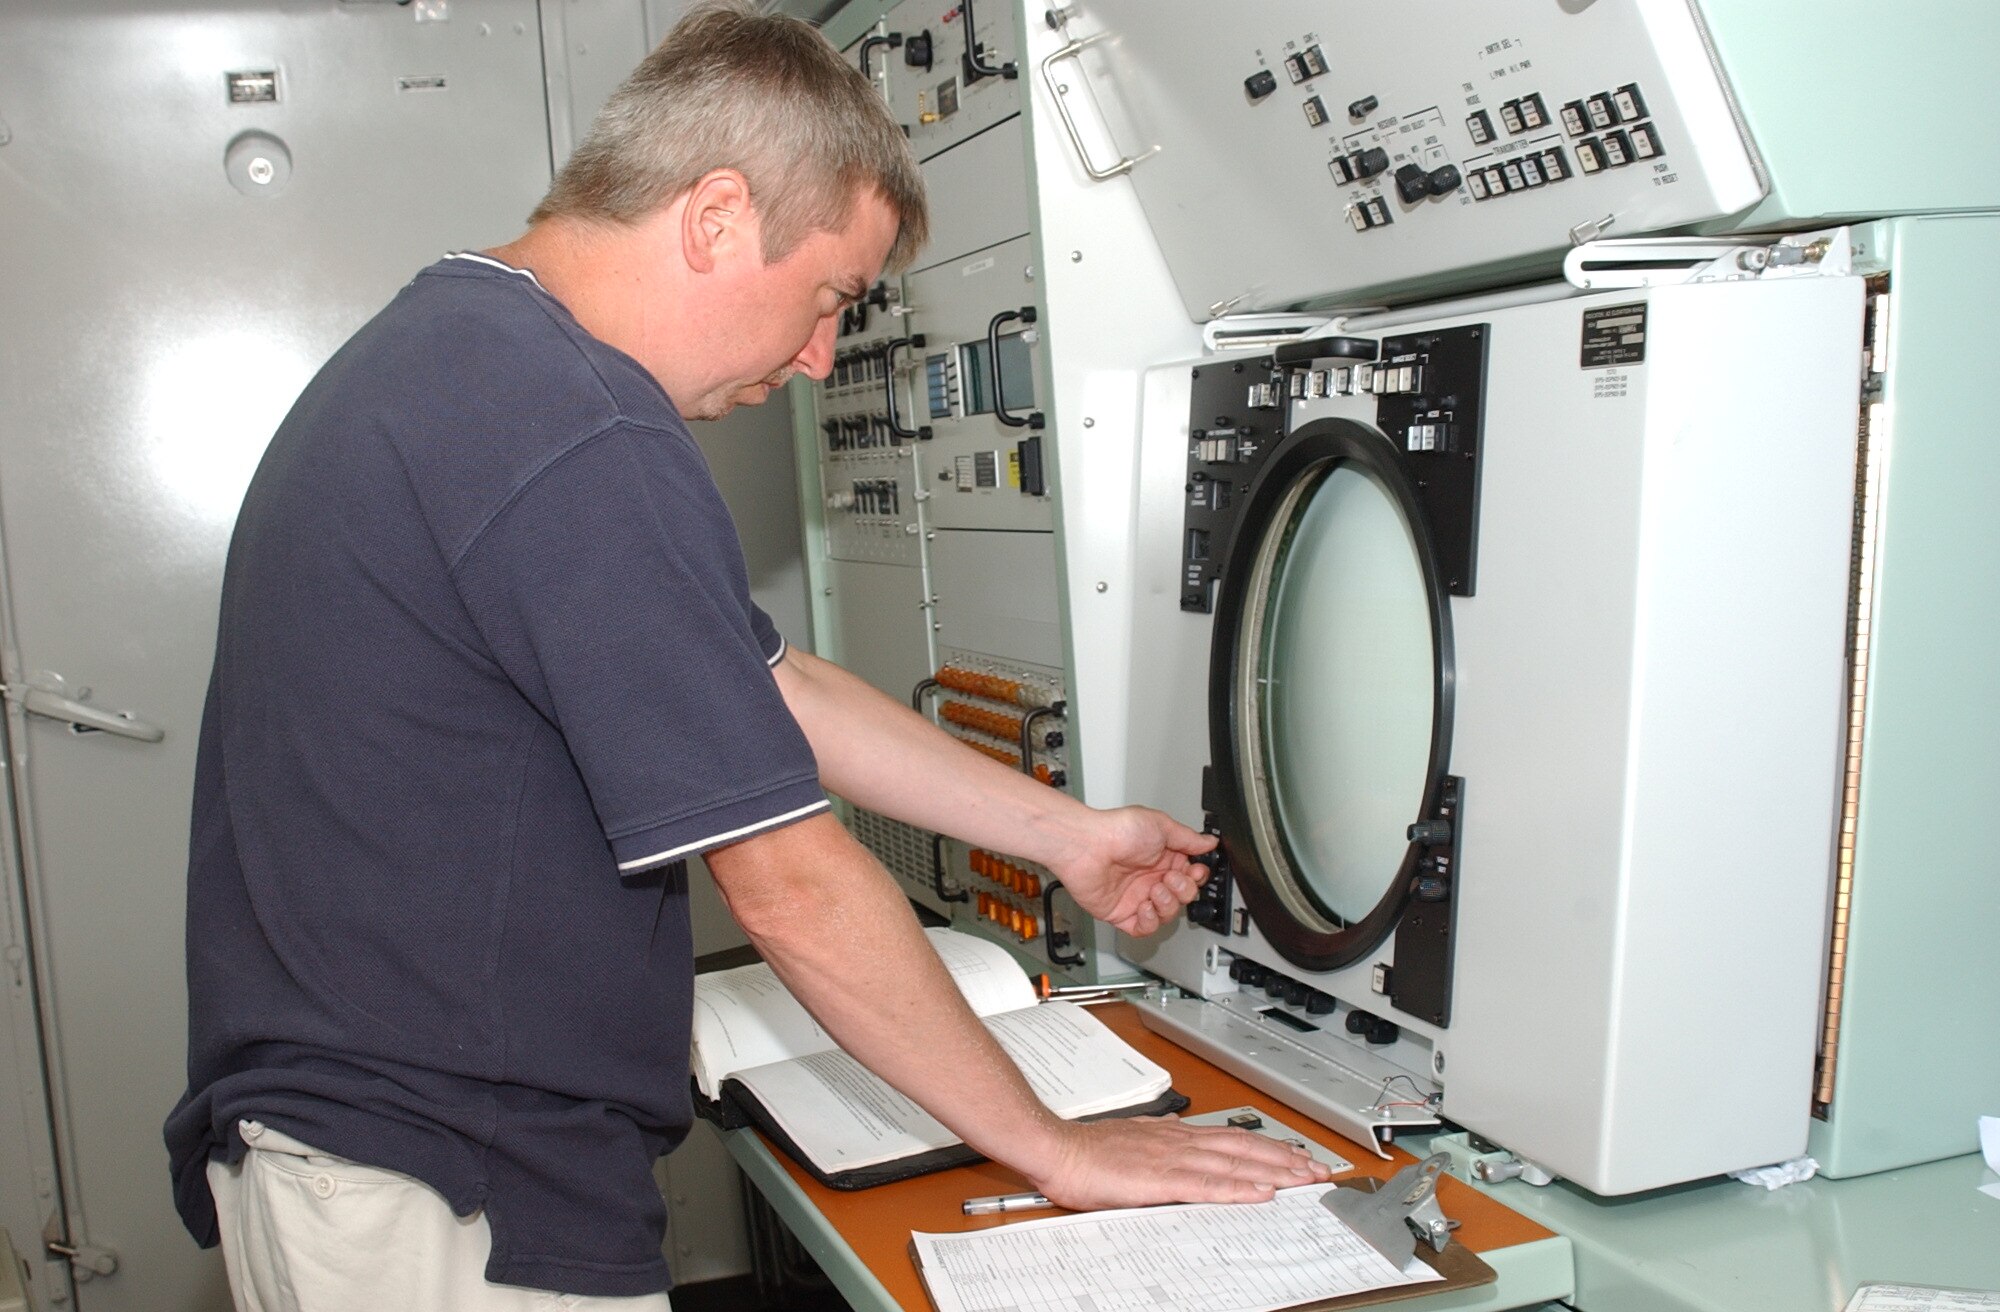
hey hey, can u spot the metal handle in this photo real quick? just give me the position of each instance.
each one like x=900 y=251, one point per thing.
x=84 y=718
x=937 y=874
x=975 y=57
x=1060 y=96
x=1026 y=314
x=896 y=429
x=869 y=45
x=1053 y=939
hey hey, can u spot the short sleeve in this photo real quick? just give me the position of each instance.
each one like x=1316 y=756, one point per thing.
x=610 y=589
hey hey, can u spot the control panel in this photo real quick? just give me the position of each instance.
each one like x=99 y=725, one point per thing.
x=948 y=70
x=867 y=445
x=1450 y=138
x=1427 y=393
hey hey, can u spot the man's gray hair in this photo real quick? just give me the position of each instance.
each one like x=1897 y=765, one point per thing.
x=765 y=95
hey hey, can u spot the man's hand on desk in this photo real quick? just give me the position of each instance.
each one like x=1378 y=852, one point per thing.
x=1131 y=867
x=1140 y=1160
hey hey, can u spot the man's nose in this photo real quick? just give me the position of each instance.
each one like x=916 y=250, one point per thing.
x=815 y=360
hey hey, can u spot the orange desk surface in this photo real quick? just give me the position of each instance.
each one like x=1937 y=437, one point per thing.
x=876 y=1223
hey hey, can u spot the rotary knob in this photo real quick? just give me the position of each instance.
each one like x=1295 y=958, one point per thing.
x=1412 y=183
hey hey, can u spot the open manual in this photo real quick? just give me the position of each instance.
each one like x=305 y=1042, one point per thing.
x=759 y=1058
x=1193 y=1257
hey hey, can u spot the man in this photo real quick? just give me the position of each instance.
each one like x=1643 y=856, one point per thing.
x=488 y=671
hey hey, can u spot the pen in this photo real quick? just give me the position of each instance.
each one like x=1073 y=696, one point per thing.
x=1004 y=1203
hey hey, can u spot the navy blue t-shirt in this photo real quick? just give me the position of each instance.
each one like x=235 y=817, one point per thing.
x=488 y=668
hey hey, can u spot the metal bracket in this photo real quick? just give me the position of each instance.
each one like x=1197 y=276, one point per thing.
x=1665 y=261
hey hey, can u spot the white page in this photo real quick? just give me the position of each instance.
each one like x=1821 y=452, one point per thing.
x=745 y=1017
x=986 y=973
x=1073 y=1062
x=1195 y=1257
x=842 y=1116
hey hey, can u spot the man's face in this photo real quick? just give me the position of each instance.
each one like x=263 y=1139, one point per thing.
x=770 y=321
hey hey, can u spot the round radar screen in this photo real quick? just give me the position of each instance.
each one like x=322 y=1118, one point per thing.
x=1330 y=701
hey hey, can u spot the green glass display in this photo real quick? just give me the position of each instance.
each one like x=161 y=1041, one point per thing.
x=1346 y=679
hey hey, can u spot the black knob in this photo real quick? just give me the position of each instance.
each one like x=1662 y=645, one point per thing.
x=1319 y=1004
x=1296 y=993
x=1383 y=1031
x=1363 y=107
x=1432 y=833
x=1412 y=183
x=1443 y=181
x=1052 y=740
x=1274 y=987
x=1260 y=84
x=917 y=51
x=1369 y=162
x=1358 y=1022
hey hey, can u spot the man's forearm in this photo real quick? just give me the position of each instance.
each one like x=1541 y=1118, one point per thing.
x=830 y=921
x=879 y=754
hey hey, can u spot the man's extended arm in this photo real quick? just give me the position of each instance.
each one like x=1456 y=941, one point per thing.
x=1127 y=866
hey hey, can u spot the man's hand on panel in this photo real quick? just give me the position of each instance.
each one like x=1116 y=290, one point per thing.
x=1133 y=868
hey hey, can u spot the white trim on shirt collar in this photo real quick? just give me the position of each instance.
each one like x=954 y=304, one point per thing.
x=477 y=258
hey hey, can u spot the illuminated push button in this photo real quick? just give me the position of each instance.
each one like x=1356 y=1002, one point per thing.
x=1496 y=181
x=1340 y=169
x=1512 y=172
x=1534 y=114
x=1617 y=149
x=1590 y=155
x=1315 y=110
x=1475 y=182
x=1631 y=106
x=1599 y=110
x=1576 y=121
x=1645 y=142
x=1531 y=172
x=1510 y=117
x=1480 y=126
x=1555 y=166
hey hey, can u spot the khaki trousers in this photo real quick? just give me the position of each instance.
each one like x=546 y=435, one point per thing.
x=303 y=1231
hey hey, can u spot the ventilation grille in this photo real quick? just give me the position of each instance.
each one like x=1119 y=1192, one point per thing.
x=904 y=849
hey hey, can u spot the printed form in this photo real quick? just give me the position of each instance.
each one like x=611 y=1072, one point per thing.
x=1193 y=1257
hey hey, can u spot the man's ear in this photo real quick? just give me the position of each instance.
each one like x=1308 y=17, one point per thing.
x=717 y=223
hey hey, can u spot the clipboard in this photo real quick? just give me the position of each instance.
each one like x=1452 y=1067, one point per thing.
x=1459 y=1267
